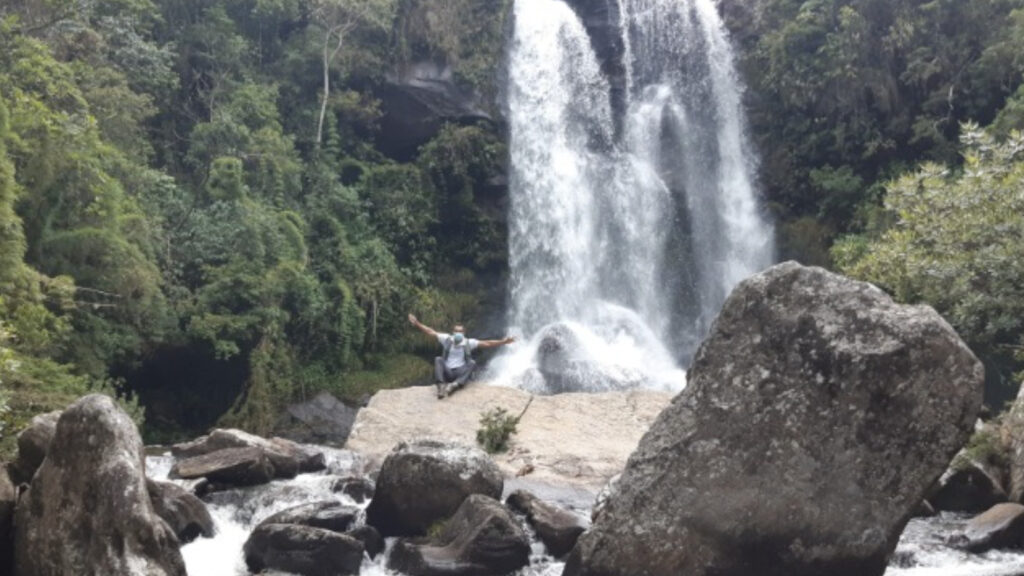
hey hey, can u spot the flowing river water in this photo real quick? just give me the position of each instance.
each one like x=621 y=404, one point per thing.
x=922 y=551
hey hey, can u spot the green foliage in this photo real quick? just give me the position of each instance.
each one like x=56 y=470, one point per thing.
x=226 y=180
x=844 y=93
x=458 y=164
x=985 y=447
x=381 y=372
x=467 y=34
x=436 y=529
x=8 y=365
x=162 y=187
x=496 y=427
x=956 y=243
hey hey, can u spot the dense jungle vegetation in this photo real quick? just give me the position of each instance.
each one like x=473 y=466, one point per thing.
x=203 y=208
x=187 y=220
x=867 y=115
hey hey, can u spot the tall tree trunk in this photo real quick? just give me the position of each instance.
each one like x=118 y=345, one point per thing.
x=328 y=58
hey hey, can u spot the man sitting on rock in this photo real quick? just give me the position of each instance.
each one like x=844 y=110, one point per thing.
x=454 y=367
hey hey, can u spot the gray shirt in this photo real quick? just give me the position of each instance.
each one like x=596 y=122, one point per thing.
x=457 y=355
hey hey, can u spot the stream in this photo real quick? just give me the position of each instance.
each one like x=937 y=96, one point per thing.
x=922 y=550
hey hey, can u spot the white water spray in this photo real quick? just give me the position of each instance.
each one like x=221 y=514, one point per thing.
x=624 y=243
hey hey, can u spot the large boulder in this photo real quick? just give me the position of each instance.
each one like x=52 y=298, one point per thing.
x=327 y=514
x=33 y=442
x=372 y=541
x=8 y=500
x=558 y=529
x=482 y=538
x=579 y=440
x=321 y=420
x=817 y=414
x=287 y=457
x=358 y=488
x=303 y=550
x=967 y=486
x=426 y=481
x=230 y=467
x=1002 y=526
x=88 y=508
x=182 y=510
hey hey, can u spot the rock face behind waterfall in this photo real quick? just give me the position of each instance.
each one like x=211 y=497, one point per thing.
x=818 y=412
x=87 y=510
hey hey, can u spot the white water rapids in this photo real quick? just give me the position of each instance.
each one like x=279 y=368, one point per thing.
x=629 y=223
x=922 y=551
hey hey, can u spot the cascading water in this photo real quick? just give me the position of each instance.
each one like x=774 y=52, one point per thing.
x=630 y=223
x=925 y=549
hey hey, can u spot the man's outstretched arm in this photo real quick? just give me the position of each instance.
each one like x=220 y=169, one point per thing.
x=422 y=327
x=496 y=343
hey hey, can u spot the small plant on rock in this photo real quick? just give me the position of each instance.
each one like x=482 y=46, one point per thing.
x=496 y=426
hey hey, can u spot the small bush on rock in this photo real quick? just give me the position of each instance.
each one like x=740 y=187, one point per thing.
x=985 y=447
x=496 y=426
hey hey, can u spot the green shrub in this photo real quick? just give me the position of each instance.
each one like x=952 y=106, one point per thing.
x=496 y=426
x=986 y=448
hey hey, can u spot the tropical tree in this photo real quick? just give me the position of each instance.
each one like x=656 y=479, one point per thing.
x=957 y=243
x=336 y=20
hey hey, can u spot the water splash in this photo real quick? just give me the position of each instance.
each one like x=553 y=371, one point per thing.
x=624 y=243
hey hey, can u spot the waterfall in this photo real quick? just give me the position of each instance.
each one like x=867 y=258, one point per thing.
x=629 y=223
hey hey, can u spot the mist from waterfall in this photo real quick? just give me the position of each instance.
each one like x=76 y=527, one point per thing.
x=630 y=221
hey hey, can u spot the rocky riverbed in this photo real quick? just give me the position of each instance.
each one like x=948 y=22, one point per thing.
x=924 y=548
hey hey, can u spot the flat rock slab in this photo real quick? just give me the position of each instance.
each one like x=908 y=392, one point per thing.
x=1002 y=526
x=231 y=466
x=575 y=439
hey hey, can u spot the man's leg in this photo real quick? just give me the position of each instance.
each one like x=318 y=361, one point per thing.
x=439 y=370
x=440 y=376
x=462 y=376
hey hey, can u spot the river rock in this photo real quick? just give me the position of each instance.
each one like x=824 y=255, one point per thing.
x=182 y=510
x=303 y=550
x=967 y=486
x=558 y=529
x=423 y=482
x=372 y=541
x=1002 y=526
x=321 y=420
x=817 y=414
x=33 y=443
x=8 y=499
x=230 y=467
x=328 y=514
x=482 y=538
x=87 y=508
x=287 y=457
x=358 y=488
